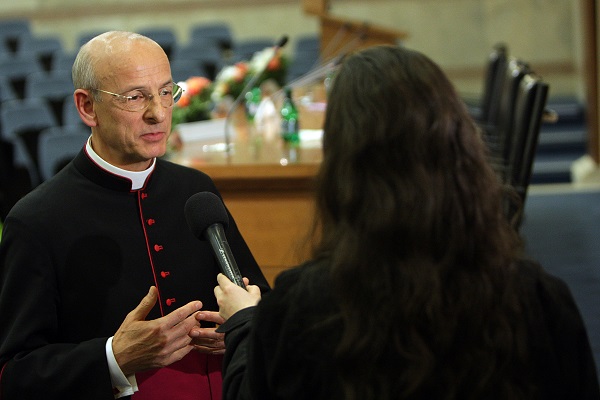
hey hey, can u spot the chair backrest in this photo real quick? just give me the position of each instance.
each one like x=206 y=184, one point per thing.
x=515 y=72
x=55 y=87
x=308 y=43
x=22 y=122
x=86 y=36
x=495 y=74
x=45 y=47
x=12 y=30
x=42 y=84
x=182 y=69
x=22 y=114
x=15 y=68
x=70 y=115
x=165 y=37
x=529 y=110
x=499 y=135
x=7 y=92
x=304 y=61
x=59 y=145
x=217 y=32
x=208 y=58
x=63 y=61
x=245 y=49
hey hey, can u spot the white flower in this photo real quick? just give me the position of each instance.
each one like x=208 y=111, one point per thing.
x=260 y=59
x=227 y=73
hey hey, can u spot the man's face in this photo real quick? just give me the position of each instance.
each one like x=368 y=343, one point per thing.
x=129 y=139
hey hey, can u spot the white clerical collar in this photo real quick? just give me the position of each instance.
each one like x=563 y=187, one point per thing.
x=137 y=178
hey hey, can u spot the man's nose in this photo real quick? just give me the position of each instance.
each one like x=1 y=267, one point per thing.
x=155 y=111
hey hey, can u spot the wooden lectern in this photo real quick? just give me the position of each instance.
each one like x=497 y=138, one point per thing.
x=342 y=35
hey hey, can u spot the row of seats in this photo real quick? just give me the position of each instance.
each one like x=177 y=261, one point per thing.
x=210 y=47
x=512 y=109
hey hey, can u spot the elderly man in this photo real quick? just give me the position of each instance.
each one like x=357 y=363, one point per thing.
x=100 y=277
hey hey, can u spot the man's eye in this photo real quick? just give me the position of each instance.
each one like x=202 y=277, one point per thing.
x=166 y=92
x=136 y=97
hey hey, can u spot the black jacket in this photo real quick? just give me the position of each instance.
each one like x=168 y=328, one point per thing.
x=283 y=348
x=80 y=252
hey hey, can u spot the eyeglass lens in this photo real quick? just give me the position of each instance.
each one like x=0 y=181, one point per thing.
x=138 y=100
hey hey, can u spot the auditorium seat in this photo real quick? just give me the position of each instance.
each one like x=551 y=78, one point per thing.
x=86 y=36
x=306 y=61
x=245 y=49
x=6 y=91
x=492 y=89
x=530 y=108
x=302 y=62
x=208 y=58
x=57 y=146
x=16 y=67
x=165 y=37
x=63 y=61
x=498 y=136
x=22 y=121
x=215 y=32
x=45 y=47
x=309 y=43
x=55 y=87
x=12 y=30
x=70 y=115
x=182 y=69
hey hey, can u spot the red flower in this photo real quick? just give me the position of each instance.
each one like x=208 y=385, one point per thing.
x=184 y=100
x=196 y=84
x=241 y=71
x=274 y=64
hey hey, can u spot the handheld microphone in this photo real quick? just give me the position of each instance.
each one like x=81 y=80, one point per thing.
x=280 y=43
x=207 y=219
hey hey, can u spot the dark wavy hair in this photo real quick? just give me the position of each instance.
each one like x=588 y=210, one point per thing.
x=411 y=223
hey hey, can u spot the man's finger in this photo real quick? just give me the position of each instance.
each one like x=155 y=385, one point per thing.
x=176 y=316
x=143 y=309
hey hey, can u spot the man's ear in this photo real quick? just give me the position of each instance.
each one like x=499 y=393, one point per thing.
x=85 y=106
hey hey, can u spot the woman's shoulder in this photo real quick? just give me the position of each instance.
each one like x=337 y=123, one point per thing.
x=306 y=276
x=541 y=284
x=307 y=283
x=549 y=303
x=559 y=340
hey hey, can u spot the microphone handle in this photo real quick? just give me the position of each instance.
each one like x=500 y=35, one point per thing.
x=218 y=241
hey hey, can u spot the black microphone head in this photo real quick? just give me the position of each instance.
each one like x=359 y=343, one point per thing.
x=202 y=210
x=282 y=41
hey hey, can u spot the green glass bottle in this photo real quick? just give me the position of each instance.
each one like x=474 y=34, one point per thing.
x=290 y=129
x=253 y=98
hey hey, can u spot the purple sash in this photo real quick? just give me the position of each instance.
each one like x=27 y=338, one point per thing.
x=195 y=377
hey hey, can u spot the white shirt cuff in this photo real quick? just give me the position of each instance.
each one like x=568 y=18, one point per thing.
x=122 y=385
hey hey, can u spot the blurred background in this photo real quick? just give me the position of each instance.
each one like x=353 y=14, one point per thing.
x=458 y=34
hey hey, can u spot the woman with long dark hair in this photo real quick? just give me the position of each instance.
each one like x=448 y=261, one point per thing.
x=418 y=288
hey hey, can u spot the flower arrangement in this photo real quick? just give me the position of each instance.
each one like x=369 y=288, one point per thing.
x=195 y=103
x=232 y=79
x=201 y=95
